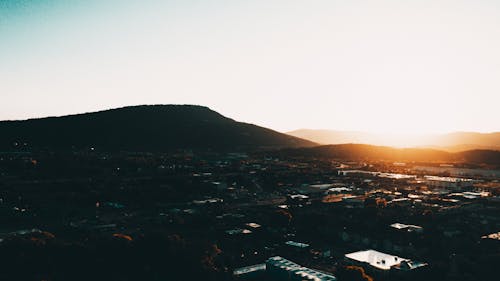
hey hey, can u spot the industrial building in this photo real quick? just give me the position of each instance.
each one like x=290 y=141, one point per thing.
x=282 y=269
x=448 y=182
x=383 y=262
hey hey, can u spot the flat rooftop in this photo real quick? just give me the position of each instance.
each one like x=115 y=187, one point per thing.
x=447 y=179
x=296 y=271
x=249 y=269
x=408 y=227
x=297 y=244
x=376 y=259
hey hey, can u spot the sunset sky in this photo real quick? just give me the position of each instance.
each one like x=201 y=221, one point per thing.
x=380 y=66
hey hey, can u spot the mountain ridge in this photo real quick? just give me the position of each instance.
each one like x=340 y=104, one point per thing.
x=144 y=127
x=452 y=142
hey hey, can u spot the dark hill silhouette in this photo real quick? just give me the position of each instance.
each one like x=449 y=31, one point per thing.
x=360 y=152
x=144 y=128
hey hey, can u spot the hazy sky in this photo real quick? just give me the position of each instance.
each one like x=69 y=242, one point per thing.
x=412 y=66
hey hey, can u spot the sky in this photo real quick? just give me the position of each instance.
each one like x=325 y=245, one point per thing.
x=378 y=66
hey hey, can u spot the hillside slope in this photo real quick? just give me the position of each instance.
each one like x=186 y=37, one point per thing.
x=144 y=128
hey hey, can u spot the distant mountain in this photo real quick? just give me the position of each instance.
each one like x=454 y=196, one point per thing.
x=459 y=141
x=364 y=152
x=332 y=136
x=143 y=128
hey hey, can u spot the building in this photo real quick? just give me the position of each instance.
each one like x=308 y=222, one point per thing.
x=407 y=227
x=448 y=182
x=493 y=236
x=250 y=271
x=382 y=262
x=297 y=245
x=279 y=268
x=297 y=199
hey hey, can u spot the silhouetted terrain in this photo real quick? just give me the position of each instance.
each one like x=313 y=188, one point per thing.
x=453 y=142
x=371 y=152
x=143 y=128
x=109 y=214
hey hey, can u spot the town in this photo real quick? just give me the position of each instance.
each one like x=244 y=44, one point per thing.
x=244 y=216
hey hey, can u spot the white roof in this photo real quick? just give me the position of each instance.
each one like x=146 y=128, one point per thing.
x=301 y=196
x=339 y=189
x=297 y=244
x=494 y=236
x=399 y=225
x=409 y=227
x=248 y=269
x=253 y=225
x=447 y=179
x=376 y=259
x=293 y=269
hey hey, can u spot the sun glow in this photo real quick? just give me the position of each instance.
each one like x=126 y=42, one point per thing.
x=402 y=140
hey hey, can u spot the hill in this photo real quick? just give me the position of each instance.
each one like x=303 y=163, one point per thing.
x=144 y=128
x=363 y=152
x=453 y=142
